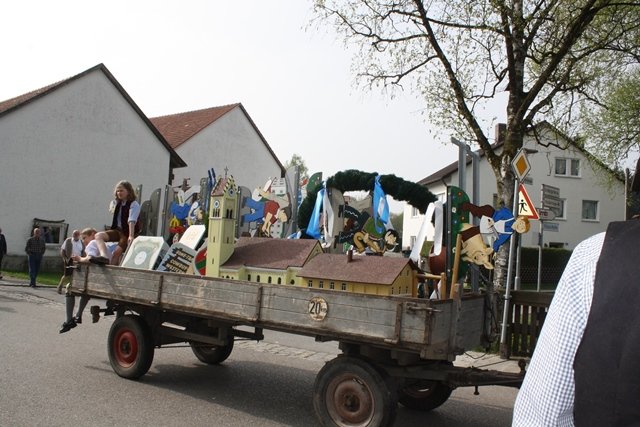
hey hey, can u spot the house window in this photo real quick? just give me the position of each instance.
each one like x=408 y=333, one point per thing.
x=332 y=285
x=310 y=284
x=343 y=287
x=279 y=280
x=412 y=241
x=293 y=282
x=414 y=212
x=269 y=279
x=258 y=278
x=590 y=210
x=321 y=284
x=51 y=231
x=560 y=212
x=442 y=197
x=567 y=167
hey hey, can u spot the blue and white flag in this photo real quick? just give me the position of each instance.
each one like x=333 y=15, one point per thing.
x=313 y=229
x=380 y=206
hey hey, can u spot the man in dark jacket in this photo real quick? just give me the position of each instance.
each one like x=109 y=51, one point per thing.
x=35 y=251
x=3 y=250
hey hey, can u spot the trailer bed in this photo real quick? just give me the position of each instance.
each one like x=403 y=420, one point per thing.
x=436 y=330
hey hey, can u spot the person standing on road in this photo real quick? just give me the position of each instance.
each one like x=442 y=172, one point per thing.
x=584 y=370
x=72 y=246
x=35 y=251
x=3 y=250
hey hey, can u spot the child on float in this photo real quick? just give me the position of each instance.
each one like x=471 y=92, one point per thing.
x=124 y=226
x=91 y=253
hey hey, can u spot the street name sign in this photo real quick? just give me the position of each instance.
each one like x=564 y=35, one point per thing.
x=551 y=197
x=546 y=214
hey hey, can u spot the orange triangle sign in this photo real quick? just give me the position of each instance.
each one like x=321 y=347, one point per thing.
x=525 y=207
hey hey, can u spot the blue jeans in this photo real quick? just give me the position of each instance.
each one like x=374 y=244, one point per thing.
x=34 y=266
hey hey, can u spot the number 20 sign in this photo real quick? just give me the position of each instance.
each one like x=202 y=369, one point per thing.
x=318 y=308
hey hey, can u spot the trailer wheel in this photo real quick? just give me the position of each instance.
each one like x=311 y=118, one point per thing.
x=424 y=395
x=211 y=354
x=130 y=346
x=351 y=392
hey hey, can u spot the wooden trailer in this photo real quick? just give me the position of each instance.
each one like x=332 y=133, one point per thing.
x=394 y=349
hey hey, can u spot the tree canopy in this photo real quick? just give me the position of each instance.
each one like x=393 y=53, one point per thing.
x=548 y=57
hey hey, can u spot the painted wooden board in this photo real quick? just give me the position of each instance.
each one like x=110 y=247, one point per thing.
x=414 y=325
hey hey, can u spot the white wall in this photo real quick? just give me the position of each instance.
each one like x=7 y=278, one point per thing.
x=229 y=142
x=63 y=154
x=571 y=230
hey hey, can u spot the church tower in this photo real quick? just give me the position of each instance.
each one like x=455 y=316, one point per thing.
x=222 y=224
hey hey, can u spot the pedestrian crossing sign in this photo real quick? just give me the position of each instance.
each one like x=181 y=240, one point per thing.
x=525 y=207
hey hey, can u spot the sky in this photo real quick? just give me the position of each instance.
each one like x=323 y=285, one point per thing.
x=294 y=79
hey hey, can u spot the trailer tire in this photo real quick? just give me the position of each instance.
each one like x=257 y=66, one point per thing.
x=424 y=395
x=349 y=391
x=211 y=354
x=130 y=346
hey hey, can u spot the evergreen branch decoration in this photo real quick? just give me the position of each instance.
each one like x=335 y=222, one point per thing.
x=354 y=180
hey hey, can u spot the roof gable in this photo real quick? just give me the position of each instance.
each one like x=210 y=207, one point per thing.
x=380 y=270
x=265 y=252
x=179 y=128
x=10 y=105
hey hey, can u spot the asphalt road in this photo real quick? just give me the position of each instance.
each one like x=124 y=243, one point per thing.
x=51 y=379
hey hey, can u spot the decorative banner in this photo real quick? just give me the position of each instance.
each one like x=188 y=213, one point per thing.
x=436 y=208
x=327 y=219
x=179 y=259
x=380 y=206
x=313 y=229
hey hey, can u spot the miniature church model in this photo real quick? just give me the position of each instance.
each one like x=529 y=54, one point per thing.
x=222 y=224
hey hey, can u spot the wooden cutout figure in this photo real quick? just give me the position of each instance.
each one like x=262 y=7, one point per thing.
x=379 y=243
x=266 y=208
x=497 y=225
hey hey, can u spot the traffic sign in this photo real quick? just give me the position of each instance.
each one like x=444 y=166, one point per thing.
x=546 y=214
x=520 y=164
x=551 y=197
x=525 y=207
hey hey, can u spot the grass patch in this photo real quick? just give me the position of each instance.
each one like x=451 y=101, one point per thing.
x=49 y=279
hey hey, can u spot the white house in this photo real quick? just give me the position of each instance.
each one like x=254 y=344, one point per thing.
x=222 y=138
x=65 y=146
x=591 y=195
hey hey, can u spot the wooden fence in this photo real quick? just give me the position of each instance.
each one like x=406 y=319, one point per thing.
x=527 y=311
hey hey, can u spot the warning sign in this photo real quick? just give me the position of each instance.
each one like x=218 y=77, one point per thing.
x=525 y=207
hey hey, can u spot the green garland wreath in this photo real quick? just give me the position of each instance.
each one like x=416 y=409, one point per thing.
x=354 y=180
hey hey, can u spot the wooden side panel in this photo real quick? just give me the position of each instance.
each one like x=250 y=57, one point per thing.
x=407 y=324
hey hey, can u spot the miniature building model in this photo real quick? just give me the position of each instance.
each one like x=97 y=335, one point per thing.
x=374 y=275
x=269 y=260
x=295 y=262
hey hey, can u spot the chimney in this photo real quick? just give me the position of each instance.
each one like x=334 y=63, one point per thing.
x=500 y=131
x=350 y=255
